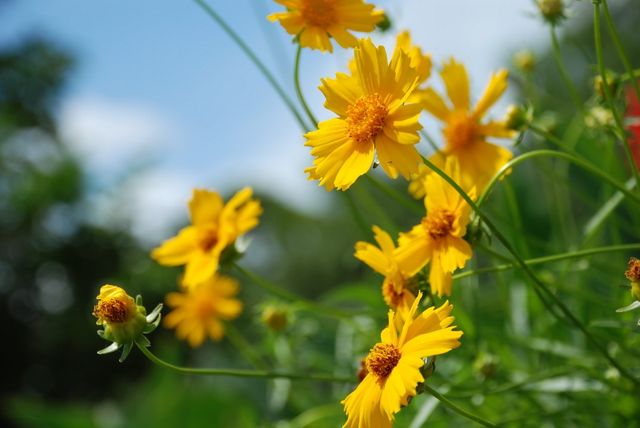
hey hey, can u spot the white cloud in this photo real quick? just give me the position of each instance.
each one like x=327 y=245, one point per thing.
x=110 y=135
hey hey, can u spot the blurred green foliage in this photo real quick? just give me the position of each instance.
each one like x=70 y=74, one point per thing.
x=518 y=364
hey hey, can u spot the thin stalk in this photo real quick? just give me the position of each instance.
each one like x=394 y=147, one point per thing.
x=607 y=93
x=356 y=214
x=296 y=80
x=244 y=347
x=431 y=141
x=459 y=410
x=401 y=198
x=266 y=374
x=539 y=285
x=256 y=61
x=292 y=297
x=587 y=166
x=620 y=48
x=552 y=139
x=549 y=259
x=563 y=70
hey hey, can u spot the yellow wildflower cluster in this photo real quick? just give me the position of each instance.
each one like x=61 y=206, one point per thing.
x=207 y=297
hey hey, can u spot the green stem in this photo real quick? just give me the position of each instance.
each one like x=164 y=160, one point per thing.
x=606 y=90
x=552 y=139
x=431 y=141
x=287 y=295
x=549 y=259
x=393 y=193
x=266 y=374
x=296 y=80
x=563 y=70
x=587 y=166
x=356 y=214
x=541 y=286
x=453 y=406
x=244 y=347
x=256 y=61
x=620 y=48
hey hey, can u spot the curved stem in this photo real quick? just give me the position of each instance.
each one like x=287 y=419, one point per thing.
x=296 y=80
x=549 y=259
x=607 y=92
x=552 y=139
x=541 y=286
x=239 y=373
x=587 y=166
x=256 y=61
x=453 y=406
x=563 y=70
x=620 y=48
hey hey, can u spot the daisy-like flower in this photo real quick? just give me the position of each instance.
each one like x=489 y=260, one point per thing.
x=393 y=365
x=317 y=20
x=395 y=287
x=464 y=131
x=372 y=118
x=199 y=312
x=214 y=227
x=438 y=237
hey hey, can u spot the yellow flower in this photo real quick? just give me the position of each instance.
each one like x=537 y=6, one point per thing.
x=421 y=62
x=122 y=318
x=214 y=227
x=395 y=287
x=393 y=365
x=372 y=117
x=418 y=180
x=464 y=132
x=438 y=238
x=198 y=312
x=317 y=20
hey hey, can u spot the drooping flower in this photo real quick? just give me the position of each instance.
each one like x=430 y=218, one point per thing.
x=464 y=132
x=373 y=117
x=393 y=365
x=124 y=320
x=315 y=21
x=214 y=227
x=199 y=311
x=439 y=236
x=396 y=287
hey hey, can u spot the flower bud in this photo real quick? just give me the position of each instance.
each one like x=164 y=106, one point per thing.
x=524 y=60
x=633 y=275
x=124 y=319
x=517 y=118
x=552 y=10
x=598 y=117
x=274 y=318
x=613 y=82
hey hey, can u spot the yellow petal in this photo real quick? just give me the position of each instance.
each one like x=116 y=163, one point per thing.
x=397 y=158
x=205 y=206
x=494 y=90
x=179 y=249
x=434 y=104
x=200 y=267
x=456 y=81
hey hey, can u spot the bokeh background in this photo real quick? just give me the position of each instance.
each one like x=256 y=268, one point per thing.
x=111 y=112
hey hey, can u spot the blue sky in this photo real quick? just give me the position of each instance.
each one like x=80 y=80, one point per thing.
x=158 y=82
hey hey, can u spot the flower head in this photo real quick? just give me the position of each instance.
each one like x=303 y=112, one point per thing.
x=439 y=236
x=393 y=365
x=317 y=20
x=198 y=312
x=464 y=131
x=396 y=288
x=124 y=319
x=372 y=117
x=214 y=227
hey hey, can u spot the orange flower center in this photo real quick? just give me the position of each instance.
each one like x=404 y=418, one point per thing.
x=382 y=359
x=391 y=296
x=204 y=309
x=365 y=118
x=633 y=271
x=461 y=129
x=111 y=310
x=208 y=238
x=438 y=223
x=318 y=13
